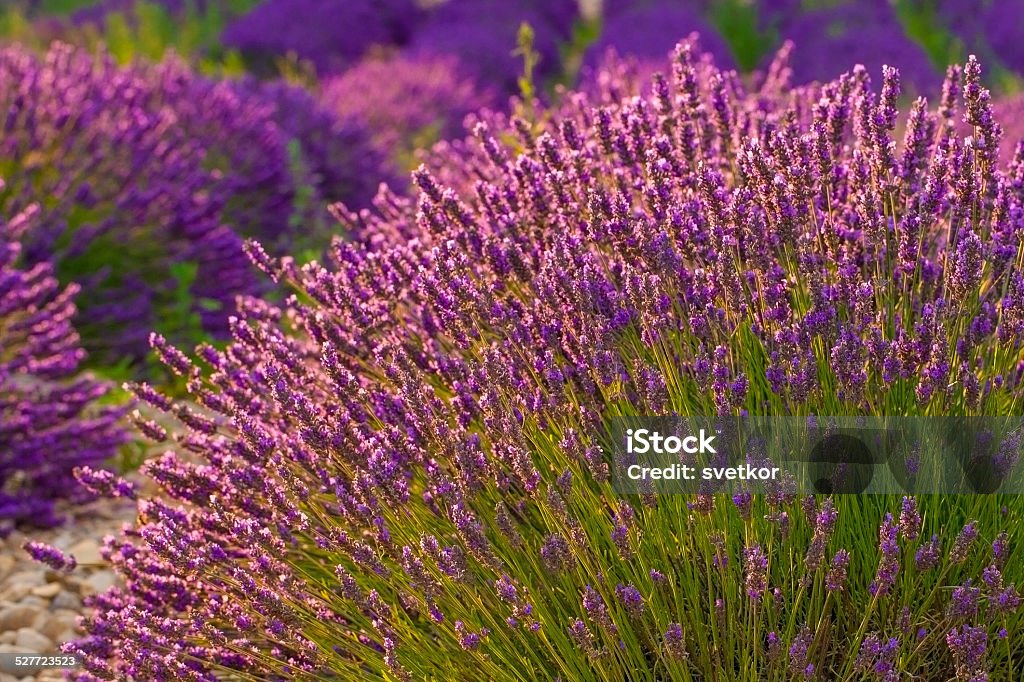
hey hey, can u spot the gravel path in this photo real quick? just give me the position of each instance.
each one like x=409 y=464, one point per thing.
x=39 y=607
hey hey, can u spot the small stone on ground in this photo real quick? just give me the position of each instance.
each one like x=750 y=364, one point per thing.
x=39 y=607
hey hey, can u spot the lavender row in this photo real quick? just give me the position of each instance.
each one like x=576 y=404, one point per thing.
x=50 y=420
x=140 y=170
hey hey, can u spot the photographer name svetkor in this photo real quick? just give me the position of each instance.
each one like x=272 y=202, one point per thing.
x=684 y=454
x=644 y=441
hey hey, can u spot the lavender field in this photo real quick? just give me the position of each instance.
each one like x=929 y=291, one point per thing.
x=319 y=320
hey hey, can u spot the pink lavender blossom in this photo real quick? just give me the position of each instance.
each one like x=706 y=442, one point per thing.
x=51 y=556
x=968 y=645
x=964 y=541
x=756 y=566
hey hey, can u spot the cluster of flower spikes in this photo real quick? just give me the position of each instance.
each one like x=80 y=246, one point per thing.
x=400 y=472
x=140 y=169
x=49 y=421
x=246 y=128
x=407 y=103
x=317 y=156
x=112 y=175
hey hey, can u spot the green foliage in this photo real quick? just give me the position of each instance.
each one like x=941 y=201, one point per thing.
x=524 y=41
x=64 y=6
x=585 y=32
x=149 y=31
x=737 y=21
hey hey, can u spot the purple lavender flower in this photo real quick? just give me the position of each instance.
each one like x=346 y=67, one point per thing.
x=467 y=639
x=798 y=651
x=51 y=556
x=968 y=645
x=1000 y=548
x=870 y=649
x=744 y=503
x=877 y=656
x=631 y=599
x=889 y=565
x=774 y=646
x=963 y=542
x=835 y=579
x=910 y=519
x=675 y=645
x=583 y=638
x=1007 y=601
x=104 y=483
x=596 y=609
x=928 y=554
x=824 y=523
x=555 y=553
x=964 y=602
x=756 y=564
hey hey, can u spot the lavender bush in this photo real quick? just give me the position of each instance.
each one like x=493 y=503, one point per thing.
x=406 y=103
x=401 y=473
x=482 y=36
x=122 y=191
x=50 y=422
x=649 y=31
x=986 y=28
x=332 y=34
x=829 y=38
x=332 y=157
x=131 y=29
x=148 y=178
